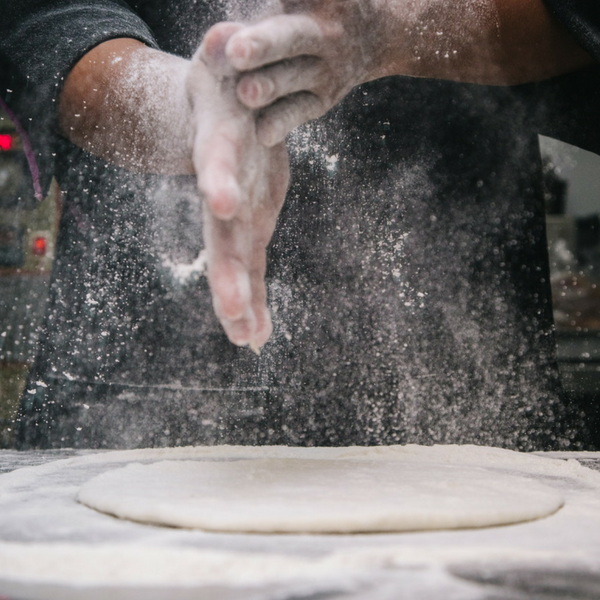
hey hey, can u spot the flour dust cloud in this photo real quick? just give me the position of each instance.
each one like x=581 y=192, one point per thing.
x=407 y=277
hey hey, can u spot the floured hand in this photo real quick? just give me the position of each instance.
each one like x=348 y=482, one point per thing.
x=243 y=184
x=300 y=64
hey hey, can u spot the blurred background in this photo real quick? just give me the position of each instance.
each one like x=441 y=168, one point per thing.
x=572 y=178
x=27 y=234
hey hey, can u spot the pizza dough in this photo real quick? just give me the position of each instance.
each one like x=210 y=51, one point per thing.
x=313 y=491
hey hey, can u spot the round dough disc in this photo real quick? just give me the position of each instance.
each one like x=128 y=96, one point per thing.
x=300 y=495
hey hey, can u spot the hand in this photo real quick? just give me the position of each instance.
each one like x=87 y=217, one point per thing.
x=297 y=66
x=301 y=63
x=243 y=184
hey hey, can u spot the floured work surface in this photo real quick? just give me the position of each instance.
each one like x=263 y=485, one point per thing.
x=51 y=546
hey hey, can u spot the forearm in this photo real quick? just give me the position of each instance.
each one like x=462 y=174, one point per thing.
x=499 y=42
x=127 y=103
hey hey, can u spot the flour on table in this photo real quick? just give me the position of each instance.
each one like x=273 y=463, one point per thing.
x=325 y=491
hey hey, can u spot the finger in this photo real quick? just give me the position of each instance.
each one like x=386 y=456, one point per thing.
x=261 y=88
x=276 y=121
x=230 y=286
x=278 y=177
x=227 y=244
x=258 y=267
x=212 y=50
x=263 y=328
x=217 y=164
x=272 y=40
x=242 y=331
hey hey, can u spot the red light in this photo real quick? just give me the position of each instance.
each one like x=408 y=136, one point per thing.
x=6 y=141
x=39 y=246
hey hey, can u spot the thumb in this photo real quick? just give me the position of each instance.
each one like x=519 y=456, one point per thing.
x=212 y=49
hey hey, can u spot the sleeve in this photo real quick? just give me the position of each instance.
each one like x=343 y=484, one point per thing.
x=582 y=19
x=40 y=42
x=566 y=107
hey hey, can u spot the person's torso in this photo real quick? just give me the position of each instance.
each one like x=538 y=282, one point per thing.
x=408 y=279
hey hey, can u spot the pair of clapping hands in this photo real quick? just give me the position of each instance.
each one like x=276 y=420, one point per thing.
x=251 y=85
x=248 y=86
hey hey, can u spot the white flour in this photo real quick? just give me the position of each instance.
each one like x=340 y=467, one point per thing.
x=46 y=537
x=304 y=495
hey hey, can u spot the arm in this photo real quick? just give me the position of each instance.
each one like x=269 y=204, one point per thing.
x=300 y=64
x=295 y=66
x=126 y=103
x=148 y=111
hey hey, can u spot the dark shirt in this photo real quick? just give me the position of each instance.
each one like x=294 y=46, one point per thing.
x=582 y=19
x=408 y=273
x=567 y=107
